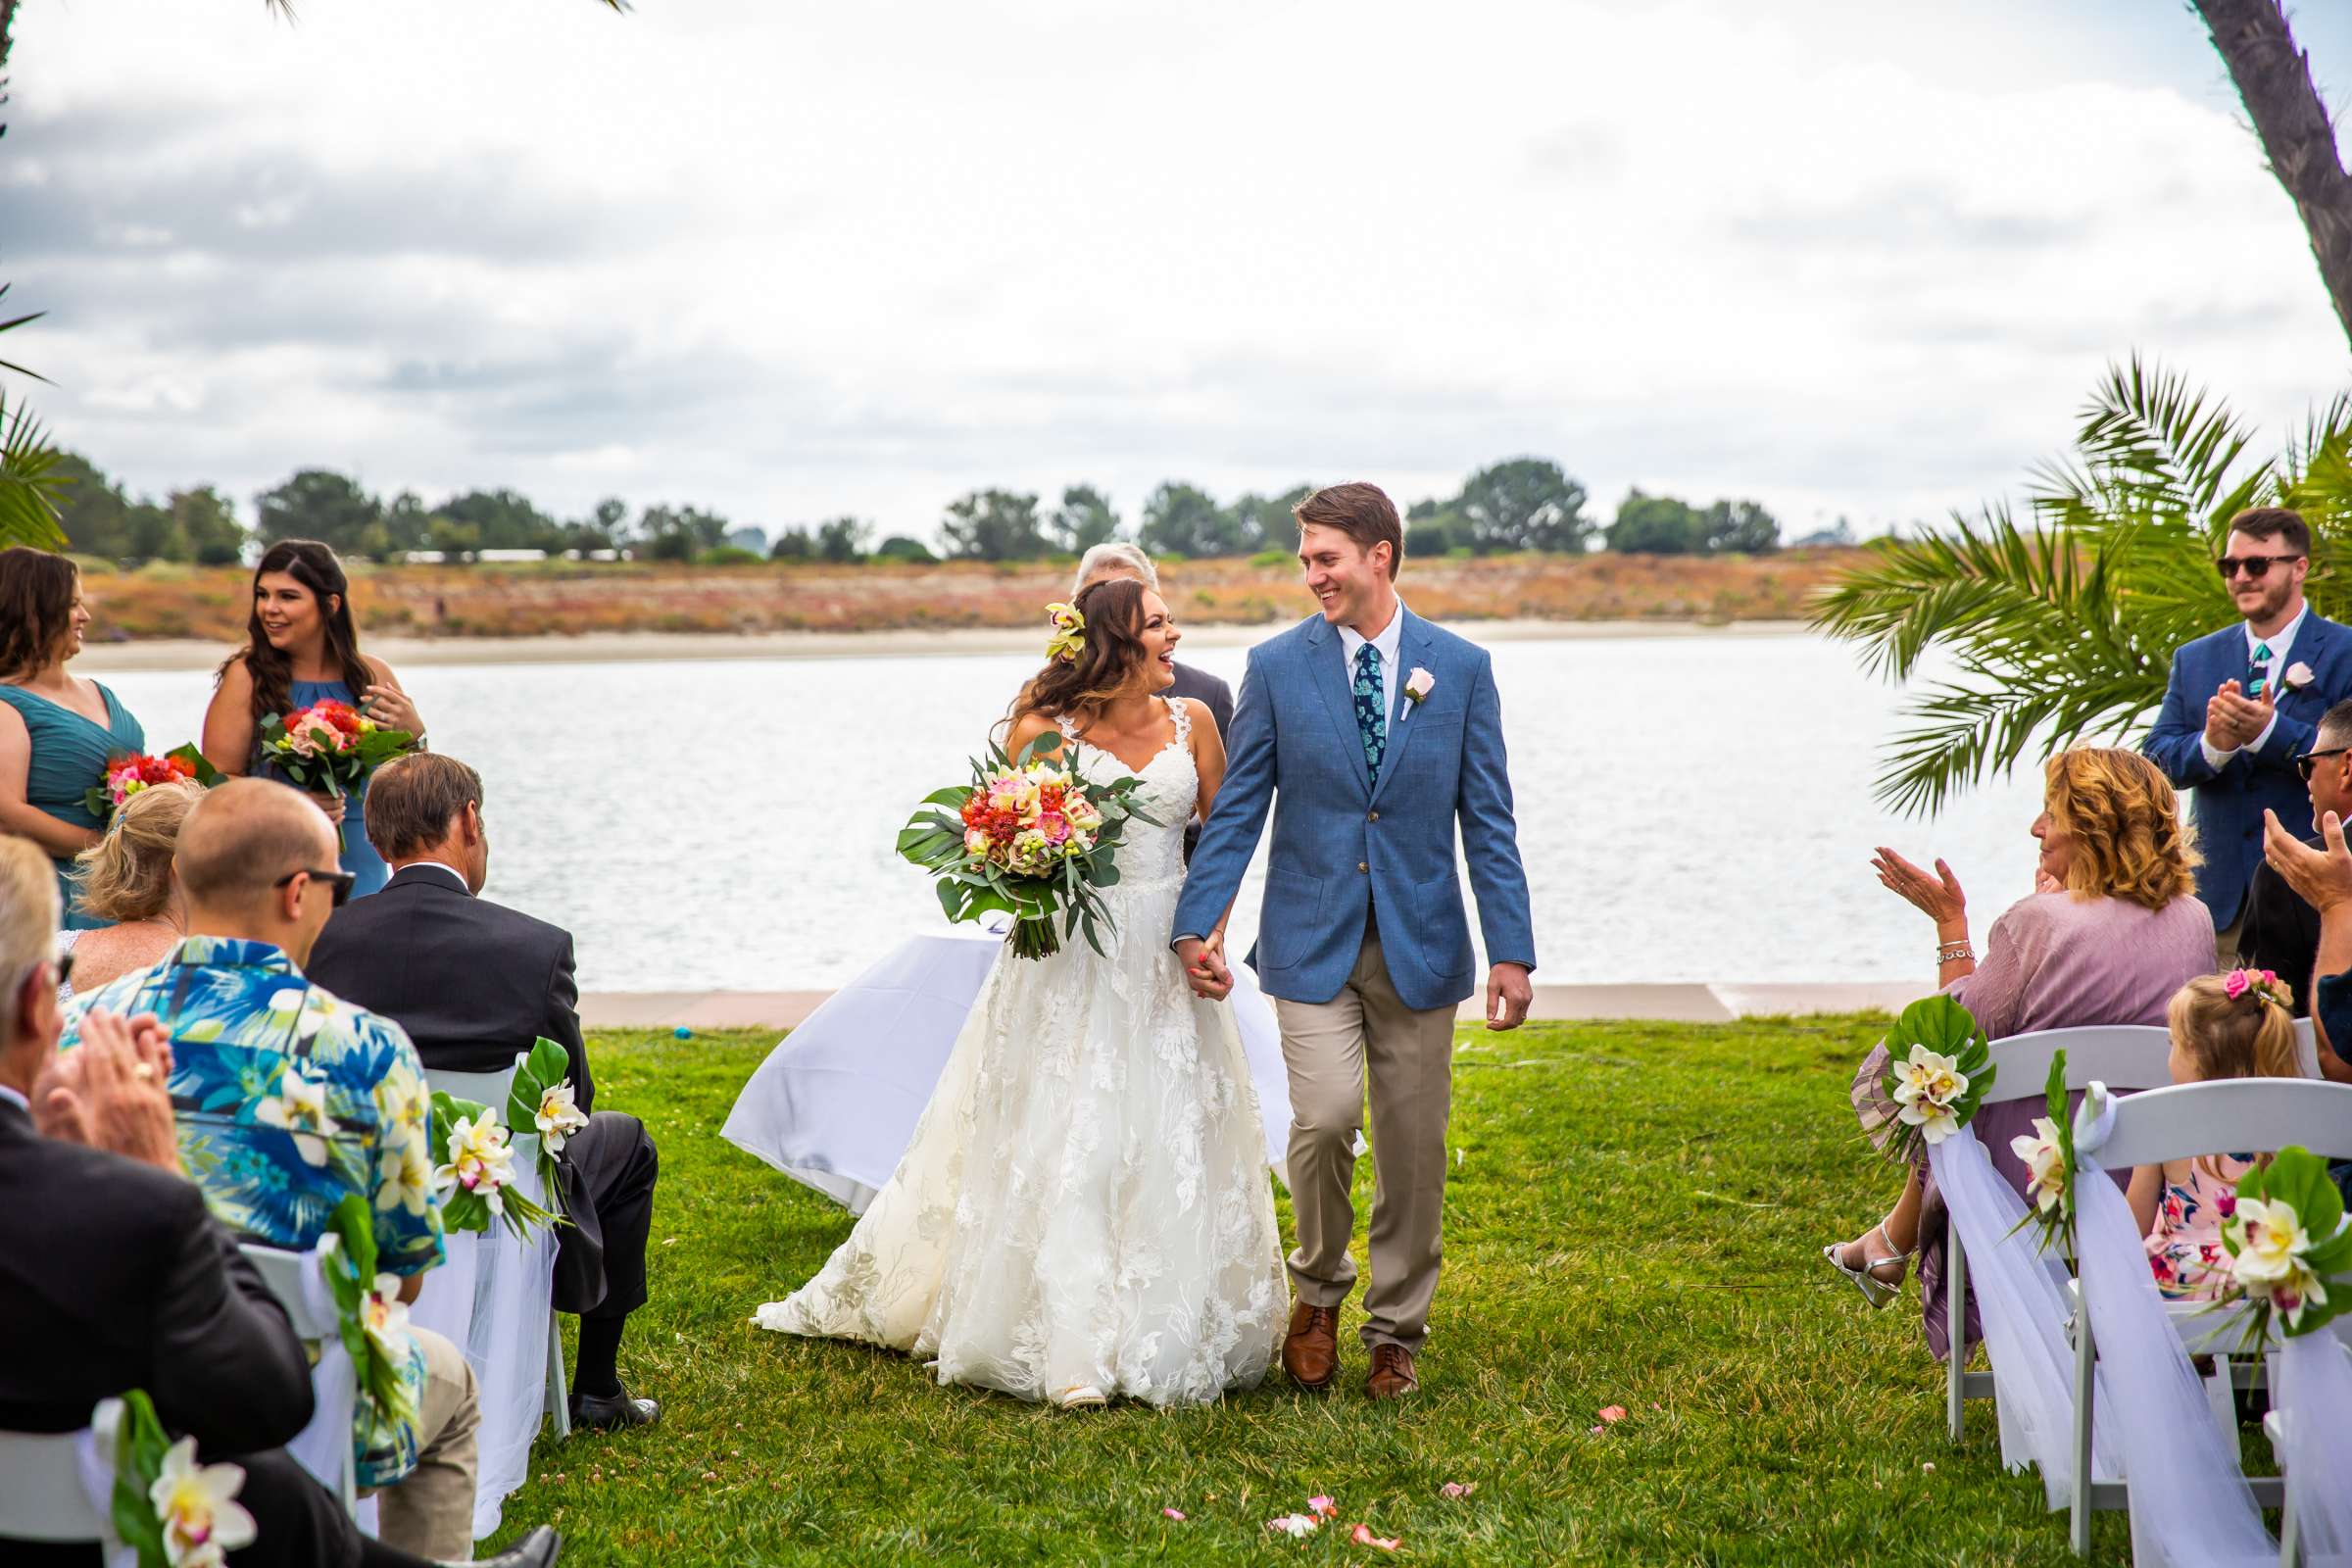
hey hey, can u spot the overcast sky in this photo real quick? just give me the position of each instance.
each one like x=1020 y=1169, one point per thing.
x=791 y=261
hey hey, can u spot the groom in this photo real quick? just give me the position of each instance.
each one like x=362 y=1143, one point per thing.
x=1371 y=733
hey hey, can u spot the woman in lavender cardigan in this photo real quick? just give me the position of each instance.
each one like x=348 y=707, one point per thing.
x=2111 y=931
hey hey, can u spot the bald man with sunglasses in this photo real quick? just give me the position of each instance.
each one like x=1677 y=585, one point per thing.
x=2244 y=703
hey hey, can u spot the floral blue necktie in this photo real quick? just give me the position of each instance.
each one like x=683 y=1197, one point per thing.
x=1371 y=711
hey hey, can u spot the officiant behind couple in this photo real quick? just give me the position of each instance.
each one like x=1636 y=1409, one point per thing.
x=1080 y=1214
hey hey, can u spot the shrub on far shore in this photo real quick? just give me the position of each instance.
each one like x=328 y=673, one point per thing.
x=730 y=555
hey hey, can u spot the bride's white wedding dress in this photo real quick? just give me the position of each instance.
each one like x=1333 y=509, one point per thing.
x=1085 y=1203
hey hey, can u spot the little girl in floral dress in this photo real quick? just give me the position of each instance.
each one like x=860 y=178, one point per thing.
x=2235 y=1025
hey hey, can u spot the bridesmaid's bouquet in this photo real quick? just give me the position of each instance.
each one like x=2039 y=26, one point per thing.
x=1029 y=838
x=127 y=776
x=329 y=747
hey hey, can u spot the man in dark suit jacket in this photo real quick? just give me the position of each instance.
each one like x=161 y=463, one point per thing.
x=1118 y=559
x=474 y=984
x=2246 y=702
x=113 y=1275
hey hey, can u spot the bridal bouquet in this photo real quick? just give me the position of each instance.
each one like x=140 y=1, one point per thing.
x=126 y=775
x=331 y=748
x=1030 y=838
x=1938 y=1067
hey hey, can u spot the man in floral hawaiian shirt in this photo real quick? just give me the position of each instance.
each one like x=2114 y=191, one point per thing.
x=289 y=1100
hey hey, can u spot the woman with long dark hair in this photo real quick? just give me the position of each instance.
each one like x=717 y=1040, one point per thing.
x=57 y=731
x=1084 y=1212
x=301 y=647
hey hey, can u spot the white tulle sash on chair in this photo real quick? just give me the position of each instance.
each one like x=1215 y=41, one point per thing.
x=2311 y=1377
x=2022 y=1307
x=2190 y=1504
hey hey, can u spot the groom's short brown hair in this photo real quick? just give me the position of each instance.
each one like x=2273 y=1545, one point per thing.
x=1362 y=511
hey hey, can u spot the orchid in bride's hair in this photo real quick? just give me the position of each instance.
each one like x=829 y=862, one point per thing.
x=1069 y=633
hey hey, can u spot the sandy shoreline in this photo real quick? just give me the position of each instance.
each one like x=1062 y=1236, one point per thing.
x=596 y=648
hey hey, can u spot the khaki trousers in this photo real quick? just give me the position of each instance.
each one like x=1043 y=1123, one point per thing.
x=430 y=1513
x=1328 y=1047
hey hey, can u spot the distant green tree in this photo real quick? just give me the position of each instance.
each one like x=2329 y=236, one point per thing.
x=1656 y=526
x=319 y=504
x=680 y=533
x=1083 y=520
x=1523 y=504
x=1264 y=523
x=504 y=519
x=897 y=547
x=93 y=512
x=792 y=544
x=1742 y=527
x=453 y=538
x=843 y=540
x=994 y=525
x=1437 y=531
x=150 y=533
x=208 y=527
x=1184 y=519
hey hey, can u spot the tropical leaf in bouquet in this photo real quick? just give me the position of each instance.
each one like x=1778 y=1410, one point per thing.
x=140 y=1443
x=2299 y=1179
x=350 y=1266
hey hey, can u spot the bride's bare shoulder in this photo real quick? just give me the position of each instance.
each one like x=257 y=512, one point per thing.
x=1026 y=728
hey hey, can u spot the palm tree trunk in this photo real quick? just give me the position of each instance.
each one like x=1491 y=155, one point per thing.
x=2274 y=80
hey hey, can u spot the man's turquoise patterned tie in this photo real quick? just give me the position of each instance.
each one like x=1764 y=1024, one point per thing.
x=2260 y=681
x=1371 y=711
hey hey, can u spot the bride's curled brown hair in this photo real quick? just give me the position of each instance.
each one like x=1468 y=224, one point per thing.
x=1108 y=661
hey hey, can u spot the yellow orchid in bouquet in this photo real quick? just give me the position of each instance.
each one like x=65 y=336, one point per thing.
x=2289 y=1241
x=2048 y=1155
x=1938 y=1069
x=476 y=1179
x=169 y=1510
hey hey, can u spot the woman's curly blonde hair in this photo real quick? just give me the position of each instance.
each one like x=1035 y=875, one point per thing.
x=2124 y=825
x=127 y=875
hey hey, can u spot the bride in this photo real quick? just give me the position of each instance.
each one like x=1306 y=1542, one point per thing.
x=1084 y=1212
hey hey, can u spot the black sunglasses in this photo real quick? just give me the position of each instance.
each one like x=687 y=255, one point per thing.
x=2256 y=567
x=2309 y=760
x=65 y=967
x=341 y=882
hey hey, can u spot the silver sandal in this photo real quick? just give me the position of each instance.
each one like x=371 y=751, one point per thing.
x=1875 y=1290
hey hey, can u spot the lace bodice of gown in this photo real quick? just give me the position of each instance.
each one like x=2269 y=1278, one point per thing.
x=1085 y=1202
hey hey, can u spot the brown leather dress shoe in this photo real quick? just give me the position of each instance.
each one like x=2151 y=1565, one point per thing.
x=1310 y=1352
x=1392 y=1373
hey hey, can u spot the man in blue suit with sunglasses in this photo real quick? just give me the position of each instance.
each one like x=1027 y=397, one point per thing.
x=2244 y=703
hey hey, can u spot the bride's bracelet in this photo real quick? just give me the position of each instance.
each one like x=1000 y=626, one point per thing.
x=1954 y=953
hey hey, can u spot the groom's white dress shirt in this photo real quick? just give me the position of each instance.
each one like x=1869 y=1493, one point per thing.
x=2281 y=648
x=1388 y=646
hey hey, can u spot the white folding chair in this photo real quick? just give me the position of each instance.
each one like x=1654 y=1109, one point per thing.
x=2235 y=1116
x=2123 y=1057
x=325 y=1447
x=491 y=1345
x=42 y=1491
x=2307 y=1049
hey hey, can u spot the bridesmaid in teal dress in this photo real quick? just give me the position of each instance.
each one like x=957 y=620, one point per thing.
x=57 y=731
x=301 y=647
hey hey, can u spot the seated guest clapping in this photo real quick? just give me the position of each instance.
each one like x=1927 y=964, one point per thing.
x=2235 y=1025
x=474 y=984
x=292 y=1100
x=2110 y=933
x=126 y=880
x=112 y=1276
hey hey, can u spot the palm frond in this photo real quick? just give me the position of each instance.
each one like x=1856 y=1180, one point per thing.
x=17 y=322
x=30 y=483
x=2038 y=635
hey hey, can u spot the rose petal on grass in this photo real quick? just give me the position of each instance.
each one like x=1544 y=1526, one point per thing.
x=1362 y=1535
x=1172 y=1513
x=1597 y=1431
x=1295 y=1525
x=1612 y=1413
x=1323 y=1507
x=1456 y=1488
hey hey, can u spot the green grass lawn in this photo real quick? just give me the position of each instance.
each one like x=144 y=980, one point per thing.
x=1634 y=1219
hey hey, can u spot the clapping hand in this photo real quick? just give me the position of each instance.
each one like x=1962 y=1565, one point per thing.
x=111 y=1091
x=1938 y=897
x=2322 y=878
x=2234 y=720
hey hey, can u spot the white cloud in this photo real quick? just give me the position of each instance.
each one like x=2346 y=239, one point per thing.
x=794 y=261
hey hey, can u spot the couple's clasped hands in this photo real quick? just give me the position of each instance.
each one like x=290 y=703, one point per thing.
x=1510 y=989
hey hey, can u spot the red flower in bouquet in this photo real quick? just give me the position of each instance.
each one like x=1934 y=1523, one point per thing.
x=329 y=747
x=127 y=776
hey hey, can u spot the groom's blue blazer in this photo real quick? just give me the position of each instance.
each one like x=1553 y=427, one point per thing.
x=2228 y=804
x=1344 y=846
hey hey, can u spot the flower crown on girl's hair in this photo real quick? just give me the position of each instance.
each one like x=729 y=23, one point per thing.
x=2237 y=984
x=1069 y=633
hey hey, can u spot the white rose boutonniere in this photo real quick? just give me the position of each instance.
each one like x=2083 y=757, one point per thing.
x=1418 y=685
x=2298 y=675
